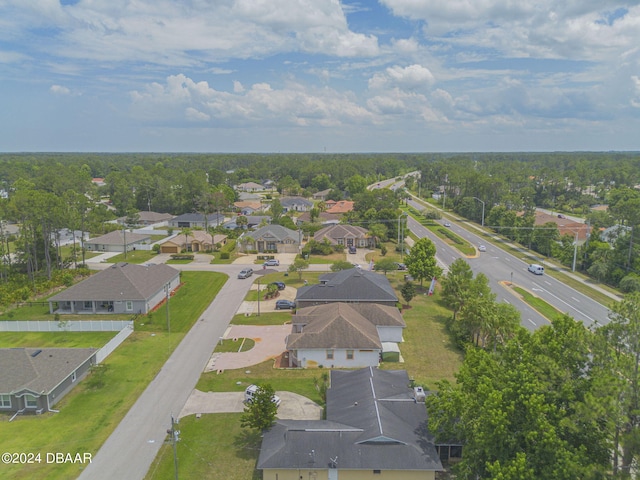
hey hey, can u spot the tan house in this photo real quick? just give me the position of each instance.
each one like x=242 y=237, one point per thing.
x=375 y=428
x=346 y=235
x=196 y=241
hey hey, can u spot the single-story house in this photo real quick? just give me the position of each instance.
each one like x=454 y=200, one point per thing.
x=248 y=207
x=340 y=207
x=347 y=235
x=32 y=380
x=249 y=187
x=374 y=428
x=252 y=221
x=321 y=195
x=121 y=288
x=296 y=204
x=343 y=335
x=271 y=238
x=117 y=241
x=350 y=286
x=565 y=225
x=196 y=220
x=196 y=241
x=148 y=218
x=323 y=218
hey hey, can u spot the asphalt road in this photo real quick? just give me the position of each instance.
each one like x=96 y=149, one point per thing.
x=132 y=447
x=501 y=268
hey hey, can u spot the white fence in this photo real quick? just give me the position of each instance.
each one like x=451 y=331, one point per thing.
x=105 y=351
x=68 y=326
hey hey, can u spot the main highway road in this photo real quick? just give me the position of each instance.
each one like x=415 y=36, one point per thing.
x=502 y=268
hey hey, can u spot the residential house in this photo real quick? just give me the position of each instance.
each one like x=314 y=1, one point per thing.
x=339 y=207
x=374 y=428
x=252 y=221
x=296 y=204
x=249 y=187
x=324 y=218
x=196 y=220
x=117 y=241
x=121 y=288
x=196 y=241
x=350 y=286
x=578 y=230
x=343 y=335
x=271 y=238
x=346 y=235
x=321 y=195
x=248 y=207
x=148 y=218
x=33 y=380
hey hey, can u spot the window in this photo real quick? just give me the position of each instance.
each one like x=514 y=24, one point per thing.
x=88 y=305
x=30 y=401
x=349 y=354
x=377 y=472
x=5 y=401
x=73 y=377
x=329 y=354
x=129 y=306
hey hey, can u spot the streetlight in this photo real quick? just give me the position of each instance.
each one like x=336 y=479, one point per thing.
x=401 y=238
x=258 y=296
x=482 y=209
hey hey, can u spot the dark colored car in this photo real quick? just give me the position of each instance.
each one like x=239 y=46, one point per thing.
x=285 y=305
x=401 y=266
x=280 y=285
x=352 y=249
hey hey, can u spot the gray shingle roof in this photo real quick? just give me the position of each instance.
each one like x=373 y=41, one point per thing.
x=372 y=423
x=335 y=232
x=292 y=201
x=124 y=281
x=40 y=373
x=376 y=313
x=118 y=238
x=336 y=325
x=275 y=232
x=198 y=217
x=352 y=285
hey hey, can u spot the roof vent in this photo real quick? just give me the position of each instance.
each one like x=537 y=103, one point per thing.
x=36 y=353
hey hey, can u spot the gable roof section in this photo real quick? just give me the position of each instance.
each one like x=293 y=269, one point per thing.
x=121 y=281
x=372 y=422
x=198 y=217
x=335 y=232
x=336 y=325
x=26 y=369
x=352 y=285
x=118 y=238
x=275 y=232
x=291 y=201
x=376 y=313
x=343 y=206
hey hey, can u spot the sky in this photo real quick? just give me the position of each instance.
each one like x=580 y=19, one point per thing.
x=319 y=75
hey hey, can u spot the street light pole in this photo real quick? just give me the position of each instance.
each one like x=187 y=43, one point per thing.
x=482 y=209
x=258 y=296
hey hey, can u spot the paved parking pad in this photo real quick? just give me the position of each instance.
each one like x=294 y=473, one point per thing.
x=292 y=406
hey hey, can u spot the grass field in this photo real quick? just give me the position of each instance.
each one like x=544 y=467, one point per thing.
x=89 y=413
x=55 y=339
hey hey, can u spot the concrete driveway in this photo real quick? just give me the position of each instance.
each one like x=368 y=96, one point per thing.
x=251 y=308
x=270 y=343
x=292 y=405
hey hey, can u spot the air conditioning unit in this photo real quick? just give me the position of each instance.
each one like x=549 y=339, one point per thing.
x=419 y=395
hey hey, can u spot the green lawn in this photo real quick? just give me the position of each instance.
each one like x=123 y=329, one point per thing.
x=90 y=412
x=134 y=256
x=269 y=318
x=235 y=345
x=54 y=340
x=542 y=307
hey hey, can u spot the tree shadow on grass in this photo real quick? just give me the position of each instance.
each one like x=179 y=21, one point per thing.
x=247 y=446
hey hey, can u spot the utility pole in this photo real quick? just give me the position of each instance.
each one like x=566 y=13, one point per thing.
x=167 y=289
x=258 y=296
x=174 y=438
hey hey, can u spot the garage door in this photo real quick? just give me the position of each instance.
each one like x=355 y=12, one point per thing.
x=169 y=249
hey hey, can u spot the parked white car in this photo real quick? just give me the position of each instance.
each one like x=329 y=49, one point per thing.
x=251 y=390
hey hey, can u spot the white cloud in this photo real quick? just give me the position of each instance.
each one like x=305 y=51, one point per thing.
x=413 y=77
x=59 y=90
x=195 y=115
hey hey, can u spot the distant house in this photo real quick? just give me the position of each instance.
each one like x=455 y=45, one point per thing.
x=271 y=238
x=323 y=218
x=252 y=221
x=565 y=225
x=249 y=187
x=148 y=218
x=33 y=380
x=374 y=428
x=196 y=241
x=116 y=241
x=321 y=195
x=121 y=288
x=350 y=286
x=98 y=181
x=296 y=204
x=248 y=207
x=346 y=235
x=196 y=220
x=343 y=335
x=339 y=207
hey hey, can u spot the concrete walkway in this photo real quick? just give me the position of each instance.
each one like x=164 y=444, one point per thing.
x=270 y=343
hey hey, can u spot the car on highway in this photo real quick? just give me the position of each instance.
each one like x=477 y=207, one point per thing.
x=280 y=285
x=250 y=392
x=447 y=224
x=272 y=262
x=482 y=248
x=285 y=305
x=245 y=273
x=536 y=269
